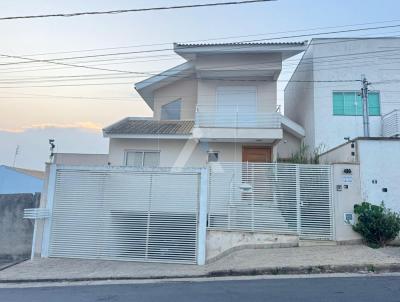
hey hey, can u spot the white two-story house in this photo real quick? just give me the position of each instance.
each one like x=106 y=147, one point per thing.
x=323 y=95
x=220 y=105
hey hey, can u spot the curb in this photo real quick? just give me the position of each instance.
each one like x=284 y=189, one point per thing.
x=302 y=270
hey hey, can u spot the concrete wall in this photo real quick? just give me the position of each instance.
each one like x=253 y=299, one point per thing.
x=220 y=243
x=344 y=199
x=13 y=182
x=380 y=162
x=15 y=231
x=80 y=159
x=379 y=168
x=345 y=153
x=341 y=59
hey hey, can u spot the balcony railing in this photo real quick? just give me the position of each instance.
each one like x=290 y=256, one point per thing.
x=235 y=117
x=391 y=124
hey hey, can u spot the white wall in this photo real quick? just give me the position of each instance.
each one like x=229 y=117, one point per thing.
x=345 y=199
x=80 y=159
x=380 y=161
x=342 y=59
x=185 y=90
x=239 y=62
x=288 y=145
x=176 y=153
x=345 y=153
x=299 y=97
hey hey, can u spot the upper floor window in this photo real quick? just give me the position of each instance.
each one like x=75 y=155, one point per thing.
x=142 y=159
x=171 y=111
x=350 y=103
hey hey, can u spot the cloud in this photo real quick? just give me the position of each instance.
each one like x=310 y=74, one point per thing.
x=88 y=126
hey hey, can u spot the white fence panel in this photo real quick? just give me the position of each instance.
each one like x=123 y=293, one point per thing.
x=125 y=214
x=276 y=198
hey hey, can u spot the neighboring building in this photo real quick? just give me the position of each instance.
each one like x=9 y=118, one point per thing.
x=221 y=105
x=17 y=180
x=379 y=163
x=331 y=111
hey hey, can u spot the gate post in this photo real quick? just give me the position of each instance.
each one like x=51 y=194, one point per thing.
x=49 y=206
x=202 y=214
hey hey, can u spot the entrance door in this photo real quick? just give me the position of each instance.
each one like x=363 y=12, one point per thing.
x=257 y=154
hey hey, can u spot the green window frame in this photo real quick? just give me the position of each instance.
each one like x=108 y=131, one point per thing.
x=349 y=103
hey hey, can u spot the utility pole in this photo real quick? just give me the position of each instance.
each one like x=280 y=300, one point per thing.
x=364 y=96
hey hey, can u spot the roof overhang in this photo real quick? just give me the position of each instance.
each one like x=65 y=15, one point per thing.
x=147 y=87
x=292 y=127
x=287 y=50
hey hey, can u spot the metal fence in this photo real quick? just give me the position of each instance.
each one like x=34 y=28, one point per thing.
x=276 y=198
x=391 y=124
x=125 y=214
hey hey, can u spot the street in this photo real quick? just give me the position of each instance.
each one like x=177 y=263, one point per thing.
x=365 y=289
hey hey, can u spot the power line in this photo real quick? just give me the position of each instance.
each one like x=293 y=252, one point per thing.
x=238 y=46
x=210 y=39
x=134 y=10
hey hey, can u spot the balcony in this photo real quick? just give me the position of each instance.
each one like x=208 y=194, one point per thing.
x=236 y=123
x=391 y=124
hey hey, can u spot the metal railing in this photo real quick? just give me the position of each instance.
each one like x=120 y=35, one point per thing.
x=276 y=198
x=236 y=117
x=391 y=124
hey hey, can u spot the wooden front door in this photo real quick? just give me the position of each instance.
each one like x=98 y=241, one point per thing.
x=256 y=154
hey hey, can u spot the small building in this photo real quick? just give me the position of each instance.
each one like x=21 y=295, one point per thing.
x=17 y=180
x=379 y=163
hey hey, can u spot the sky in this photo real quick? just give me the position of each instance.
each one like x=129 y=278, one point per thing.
x=74 y=111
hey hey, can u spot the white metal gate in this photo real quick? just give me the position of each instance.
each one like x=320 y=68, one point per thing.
x=276 y=198
x=125 y=214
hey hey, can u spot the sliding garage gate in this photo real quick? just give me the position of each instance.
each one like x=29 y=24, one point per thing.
x=125 y=214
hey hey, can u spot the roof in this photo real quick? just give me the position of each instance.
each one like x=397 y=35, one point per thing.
x=146 y=87
x=287 y=49
x=303 y=43
x=29 y=172
x=134 y=126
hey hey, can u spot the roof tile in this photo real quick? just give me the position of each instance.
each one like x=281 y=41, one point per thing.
x=150 y=127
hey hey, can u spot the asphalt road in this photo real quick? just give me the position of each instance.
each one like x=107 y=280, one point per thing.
x=363 y=289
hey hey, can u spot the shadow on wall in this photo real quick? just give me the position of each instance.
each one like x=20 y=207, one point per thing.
x=15 y=231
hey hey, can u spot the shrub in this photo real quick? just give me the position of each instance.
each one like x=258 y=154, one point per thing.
x=376 y=224
x=304 y=155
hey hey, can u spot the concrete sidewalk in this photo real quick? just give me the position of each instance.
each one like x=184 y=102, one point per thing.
x=312 y=259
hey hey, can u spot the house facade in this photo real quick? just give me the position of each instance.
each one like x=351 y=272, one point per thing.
x=220 y=105
x=323 y=96
x=323 y=93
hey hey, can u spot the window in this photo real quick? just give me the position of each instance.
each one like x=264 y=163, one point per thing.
x=213 y=156
x=142 y=159
x=171 y=111
x=350 y=103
